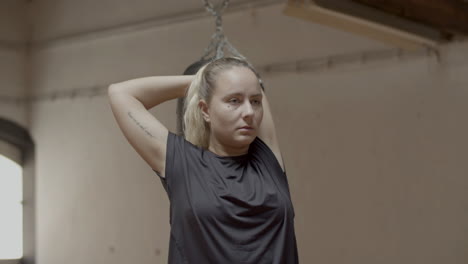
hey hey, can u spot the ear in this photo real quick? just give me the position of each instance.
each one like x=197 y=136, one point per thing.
x=204 y=110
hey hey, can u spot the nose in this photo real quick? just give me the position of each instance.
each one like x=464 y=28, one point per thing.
x=248 y=110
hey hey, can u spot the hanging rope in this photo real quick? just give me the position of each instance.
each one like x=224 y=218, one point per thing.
x=218 y=40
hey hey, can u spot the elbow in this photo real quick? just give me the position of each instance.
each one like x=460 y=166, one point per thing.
x=112 y=88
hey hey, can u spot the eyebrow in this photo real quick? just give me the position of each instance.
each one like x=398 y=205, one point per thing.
x=240 y=94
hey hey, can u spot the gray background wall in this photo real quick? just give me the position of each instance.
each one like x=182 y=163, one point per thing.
x=375 y=153
x=14 y=32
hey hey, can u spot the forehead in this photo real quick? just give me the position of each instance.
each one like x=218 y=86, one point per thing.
x=237 y=80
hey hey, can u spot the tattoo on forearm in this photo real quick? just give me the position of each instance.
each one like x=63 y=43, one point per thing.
x=141 y=126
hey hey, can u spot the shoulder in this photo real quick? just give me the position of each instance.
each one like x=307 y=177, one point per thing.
x=181 y=156
x=180 y=148
x=270 y=149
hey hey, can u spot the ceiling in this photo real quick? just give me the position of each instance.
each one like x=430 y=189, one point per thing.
x=408 y=24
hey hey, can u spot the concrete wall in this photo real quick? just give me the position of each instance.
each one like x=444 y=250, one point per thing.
x=374 y=154
x=376 y=158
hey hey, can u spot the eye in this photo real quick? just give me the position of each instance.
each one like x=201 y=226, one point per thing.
x=257 y=102
x=234 y=100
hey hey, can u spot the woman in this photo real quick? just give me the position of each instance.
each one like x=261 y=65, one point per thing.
x=228 y=191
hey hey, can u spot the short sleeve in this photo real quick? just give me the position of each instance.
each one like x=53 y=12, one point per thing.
x=169 y=160
x=163 y=181
x=179 y=155
x=270 y=155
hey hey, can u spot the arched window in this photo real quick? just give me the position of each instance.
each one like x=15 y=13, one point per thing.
x=17 y=233
x=11 y=199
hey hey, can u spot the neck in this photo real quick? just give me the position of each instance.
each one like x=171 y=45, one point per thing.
x=224 y=150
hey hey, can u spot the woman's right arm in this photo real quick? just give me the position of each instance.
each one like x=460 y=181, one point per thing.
x=130 y=101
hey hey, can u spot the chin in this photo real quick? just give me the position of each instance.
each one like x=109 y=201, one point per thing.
x=245 y=139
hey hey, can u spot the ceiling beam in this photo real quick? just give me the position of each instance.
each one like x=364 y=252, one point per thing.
x=448 y=16
x=312 y=12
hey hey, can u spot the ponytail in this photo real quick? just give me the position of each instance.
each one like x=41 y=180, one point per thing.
x=196 y=130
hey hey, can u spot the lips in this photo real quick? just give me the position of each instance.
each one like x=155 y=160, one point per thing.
x=246 y=127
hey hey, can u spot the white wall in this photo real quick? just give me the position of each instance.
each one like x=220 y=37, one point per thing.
x=374 y=155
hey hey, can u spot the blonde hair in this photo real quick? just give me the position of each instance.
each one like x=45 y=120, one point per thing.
x=196 y=130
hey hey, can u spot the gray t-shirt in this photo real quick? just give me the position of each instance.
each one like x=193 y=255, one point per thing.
x=235 y=209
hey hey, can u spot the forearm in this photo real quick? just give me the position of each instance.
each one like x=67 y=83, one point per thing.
x=151 y=91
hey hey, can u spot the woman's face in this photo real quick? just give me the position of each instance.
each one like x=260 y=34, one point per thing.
x=236 y=102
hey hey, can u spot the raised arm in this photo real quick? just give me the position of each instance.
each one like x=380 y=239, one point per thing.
x=267 y=131
x=130 y=101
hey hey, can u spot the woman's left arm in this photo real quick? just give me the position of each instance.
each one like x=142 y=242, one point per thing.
x=267 y=131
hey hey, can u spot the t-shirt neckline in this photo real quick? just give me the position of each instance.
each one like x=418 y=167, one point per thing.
x=239 y=157
x=227 y=157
